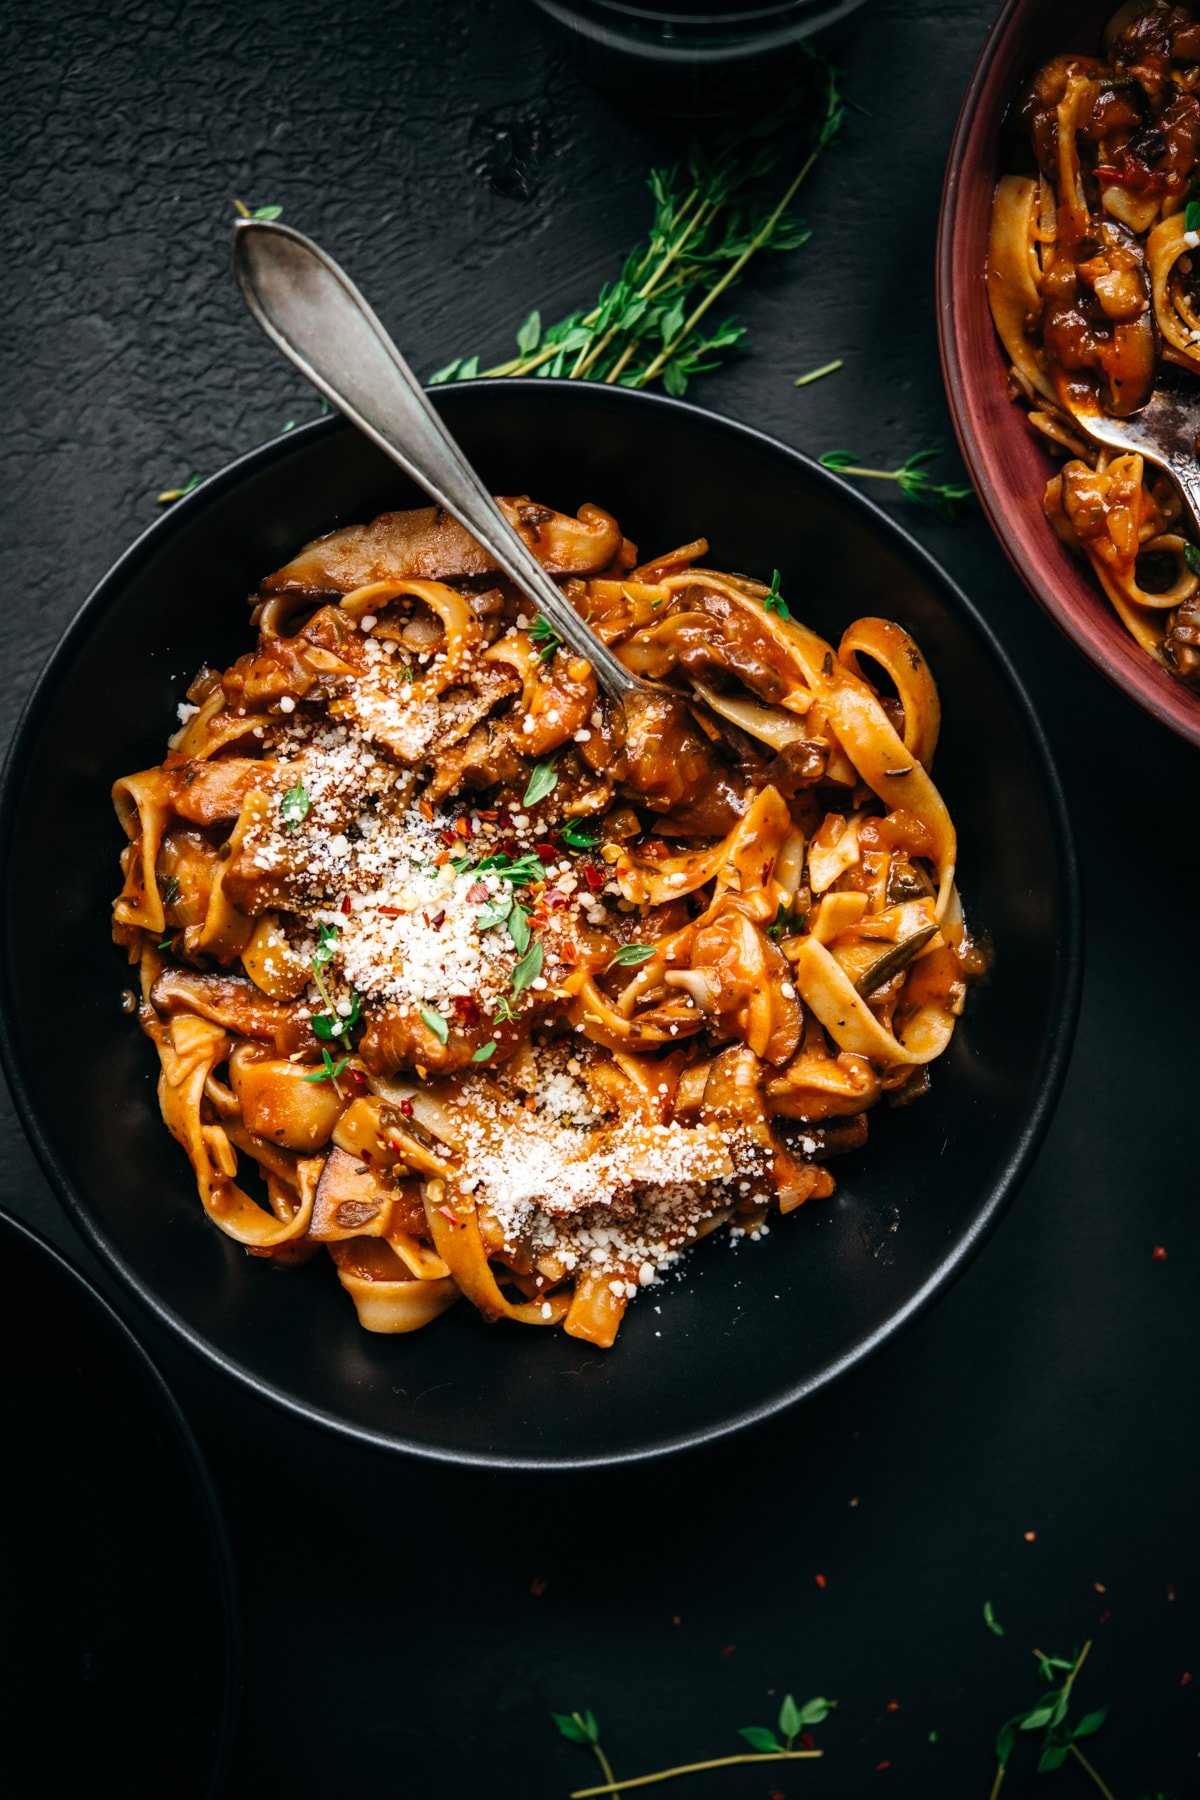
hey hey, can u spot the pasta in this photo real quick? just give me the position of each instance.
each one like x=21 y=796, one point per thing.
x=491 y=989
x=1093 y=284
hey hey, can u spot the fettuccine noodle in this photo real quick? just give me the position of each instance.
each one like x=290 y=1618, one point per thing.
x=489 y=989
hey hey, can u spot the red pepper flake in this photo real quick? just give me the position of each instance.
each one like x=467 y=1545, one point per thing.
x=1158 y=1253
x=893 y=1706
x=1186 y=1678
x=554 y=897
x=449 y=838
x=441 y=859
x=357 y=1077
x=776 y=1794
x=466 y=1010
x=807 y=1741
x=502 y=817
x=426 y=811
x=406 y=1107
x=729 y=1650
x=538 y=1586
x=547 y=852
x=391 y=912
x=447 y=1213
x=881 y=1766
x=488 y=814
x=820 y=1581
x=347 y=905
x=568 y=953
x=1029 y=1536
x=478 y=892
x=438 y=919
x=594 y=875
x=463 y=826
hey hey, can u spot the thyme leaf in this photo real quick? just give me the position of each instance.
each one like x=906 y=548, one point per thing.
x=542 y=781
x=629 y=955
x=436 y=1023
x=294 y=806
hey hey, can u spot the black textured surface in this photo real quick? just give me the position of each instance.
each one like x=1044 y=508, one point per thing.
x=394 y=1646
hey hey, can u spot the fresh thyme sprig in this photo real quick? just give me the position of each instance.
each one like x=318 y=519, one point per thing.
x=1049 y=1716
x=946 y=498
x=710 y=220
x=766 y=1747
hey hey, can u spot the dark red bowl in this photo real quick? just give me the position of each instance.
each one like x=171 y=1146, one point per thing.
x=1007 y=462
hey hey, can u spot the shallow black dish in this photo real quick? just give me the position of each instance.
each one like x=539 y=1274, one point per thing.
x=118 y=1617
x=747 y=1331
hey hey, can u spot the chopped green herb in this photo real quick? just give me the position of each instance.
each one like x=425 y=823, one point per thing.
x=542 y=781
x=332 y=1024
x=543 y=633
x=579 y=837
x=436 y=1023
x=495 y=913
x=166 y=943
x=327 y=938
x=407 y=674
x=1191 y=555
x=773 y=600
x=528 y=969
x=171 y=890
x=1191 y=216
x=629 y=955
x=294 y=806
x=990 y=1620
x=503 y=1010
x=520 y=870
x=518 y=927
x=331 y=1070
x=484 y=1053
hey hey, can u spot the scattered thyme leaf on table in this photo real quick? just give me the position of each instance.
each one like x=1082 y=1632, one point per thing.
x=1048 y=1715
x=946 y=498
x=711 y=218
x=766 y=1746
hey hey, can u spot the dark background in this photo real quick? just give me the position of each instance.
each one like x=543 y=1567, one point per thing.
x=394 y=1643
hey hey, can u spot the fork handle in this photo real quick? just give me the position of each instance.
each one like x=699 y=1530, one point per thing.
x=314 y=314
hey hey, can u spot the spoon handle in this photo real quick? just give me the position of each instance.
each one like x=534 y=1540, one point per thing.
x=312 y=311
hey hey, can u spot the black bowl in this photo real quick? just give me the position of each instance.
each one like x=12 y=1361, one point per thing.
x=747 y=1330
x=118 y=1609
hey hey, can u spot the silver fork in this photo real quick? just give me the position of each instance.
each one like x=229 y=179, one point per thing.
x=1165 y=432
x=312 y=311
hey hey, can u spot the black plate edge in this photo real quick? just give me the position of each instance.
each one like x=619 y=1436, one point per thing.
x=231 y=1610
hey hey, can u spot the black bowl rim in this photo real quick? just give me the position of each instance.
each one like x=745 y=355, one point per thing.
x=231 y=1612
x=1064 y=1008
